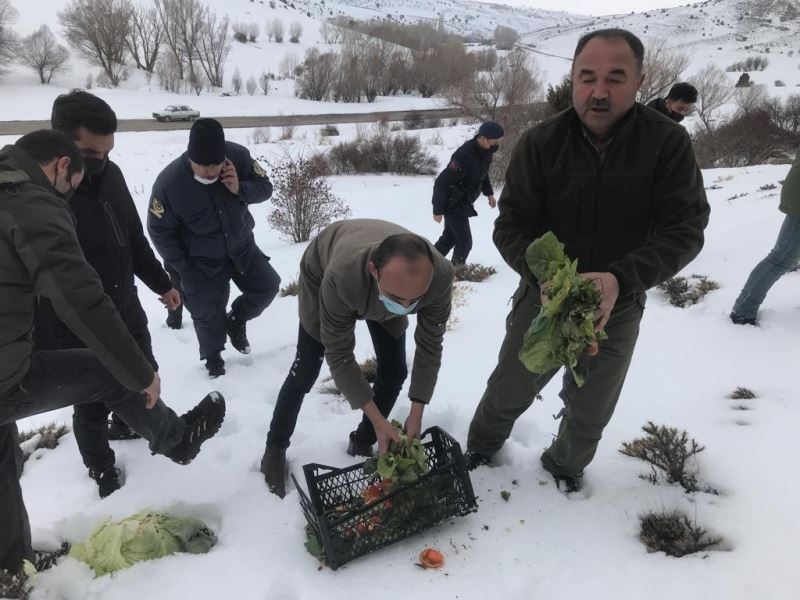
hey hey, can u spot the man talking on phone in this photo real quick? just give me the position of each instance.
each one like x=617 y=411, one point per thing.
x=199 y=221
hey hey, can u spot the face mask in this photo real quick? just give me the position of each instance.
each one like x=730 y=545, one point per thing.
x=494 y=149
x=205 y=181
x=63 y=195
x=395 y=307
x=94 y=166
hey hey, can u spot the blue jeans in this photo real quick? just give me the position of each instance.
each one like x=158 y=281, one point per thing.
x=781 y=259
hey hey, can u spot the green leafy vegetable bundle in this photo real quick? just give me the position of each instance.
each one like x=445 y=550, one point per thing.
x=404 y=462
x=144 y=536
x=564 y=328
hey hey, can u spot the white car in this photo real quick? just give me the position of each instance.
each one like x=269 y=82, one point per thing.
x=179 y=112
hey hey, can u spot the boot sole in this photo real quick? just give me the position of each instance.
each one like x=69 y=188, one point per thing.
x=214 y=426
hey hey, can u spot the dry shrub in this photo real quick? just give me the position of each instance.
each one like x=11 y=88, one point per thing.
x=381 y=152
x=290 y=289
x=474 y=272
x=675 y=534
x=742 y=393
x=683 y=291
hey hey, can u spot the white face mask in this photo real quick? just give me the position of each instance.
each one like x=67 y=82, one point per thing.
x=205 y=181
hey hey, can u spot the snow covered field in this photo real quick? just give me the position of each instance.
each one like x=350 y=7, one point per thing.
x=539 y=544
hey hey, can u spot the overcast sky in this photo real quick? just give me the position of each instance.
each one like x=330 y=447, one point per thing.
x=603 y=7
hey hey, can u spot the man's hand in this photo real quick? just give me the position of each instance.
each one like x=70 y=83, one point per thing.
x=171 y=299
x=384 y=431
x=437 y=218
x=492 y=202
x=413 y=424
x=153 y=391
x=229 y=177
x=608 y=286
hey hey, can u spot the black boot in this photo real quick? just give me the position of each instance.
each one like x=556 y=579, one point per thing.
x=570 y=483
x=119 y=430
x=739 y=320
x=273 y=466
x=237 y=332
x=175 y=318
x=215 y=365
x=475 y=460
x=107 y=480
x=358 y=448
x=200 y=424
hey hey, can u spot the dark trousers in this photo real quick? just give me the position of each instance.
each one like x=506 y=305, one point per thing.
x=390 y=354
x=511 y=388
x=207 y=300
x=457 y=236
x=57 y=379
x=175 y=280
x=90 y=420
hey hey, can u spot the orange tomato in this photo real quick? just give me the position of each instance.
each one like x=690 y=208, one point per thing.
x=431 y=558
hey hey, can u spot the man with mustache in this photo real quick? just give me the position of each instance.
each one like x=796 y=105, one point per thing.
x=619 y=185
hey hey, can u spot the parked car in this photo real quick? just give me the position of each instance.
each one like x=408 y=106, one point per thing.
x=176 y=113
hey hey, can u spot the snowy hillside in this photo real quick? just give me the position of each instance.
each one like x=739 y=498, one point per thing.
x=538 y=544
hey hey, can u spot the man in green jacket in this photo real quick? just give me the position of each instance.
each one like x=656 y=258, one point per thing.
x=782 y=258
x=618 y=184
x=377 y=272
x=40 y=256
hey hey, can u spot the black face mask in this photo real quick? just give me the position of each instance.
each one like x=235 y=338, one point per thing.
x=64 y=195
x=94 y=166
x=494 y=149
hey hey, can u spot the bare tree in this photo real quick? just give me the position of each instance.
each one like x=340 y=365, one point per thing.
x=214 y=47
x=663 y=66
x=197 y=81
x=169 y=71
x=325 y=32
x=236 y=81
x=263 y=83
x=276 y=30
x=8 y=39
x=713 y=92
x=183 y=21
x=145 y=37
x=514 y=81
x=252 y=31
x=98 y=30
x=251 y=86
x=750 y=99
x=289 y=64
x=318 y=75
x=41 y=52
x=295 y=31
x=505 y=37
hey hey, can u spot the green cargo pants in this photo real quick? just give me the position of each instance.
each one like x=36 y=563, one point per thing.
x=511 y=388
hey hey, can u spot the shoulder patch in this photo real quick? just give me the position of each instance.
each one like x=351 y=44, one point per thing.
x=156 y=208
x=259 y=170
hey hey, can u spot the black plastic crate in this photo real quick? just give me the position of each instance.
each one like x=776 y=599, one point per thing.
x=348 y=527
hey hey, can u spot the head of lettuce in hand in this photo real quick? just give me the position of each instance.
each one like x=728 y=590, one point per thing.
x=565 y=327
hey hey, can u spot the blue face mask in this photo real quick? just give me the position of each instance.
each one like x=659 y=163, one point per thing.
x=395 y=307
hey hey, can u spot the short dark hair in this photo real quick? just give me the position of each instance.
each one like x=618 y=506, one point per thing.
x=685 y=92
x=409 y=246
x=45 y=146
x=82 y=109
x=614 y=34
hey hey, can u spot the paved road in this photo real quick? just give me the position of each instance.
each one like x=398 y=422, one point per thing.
x=23 y=127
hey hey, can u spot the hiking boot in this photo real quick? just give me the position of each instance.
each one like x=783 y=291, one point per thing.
x=200 y=424
x=237 y=332
x=107 y=480
x=739 y=320
x=358 y=448
x=475 y=460
x=119 y=430
x=47 y=559
x=215 y=365
x=273 y=466
x=175 y=318
x=571 y=483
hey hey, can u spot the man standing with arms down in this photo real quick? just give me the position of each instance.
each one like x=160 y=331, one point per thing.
x=459 y=185
x=377 y=272
x=199 y=220
x=619 y=185
x=40 y=256
x=112 y=239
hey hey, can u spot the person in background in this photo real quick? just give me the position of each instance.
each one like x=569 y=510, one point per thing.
x=459 y=185
x=199 y=220
x=678 y=104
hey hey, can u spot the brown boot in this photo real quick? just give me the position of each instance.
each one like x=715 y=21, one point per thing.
x=273 y=466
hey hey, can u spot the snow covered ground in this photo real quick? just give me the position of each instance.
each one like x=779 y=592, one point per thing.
x=539 y=544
